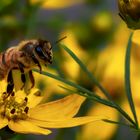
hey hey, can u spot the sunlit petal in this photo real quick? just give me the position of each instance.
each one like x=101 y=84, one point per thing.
x=3 y=122
x=19 y=84
x=70 y=122
x=3 y=86
x=27 y=127
x=63 y=108
x=55 y=4
x=72 y=43
x=34 y=97
x=92 y=131
x=48 y=85
x=135 y=37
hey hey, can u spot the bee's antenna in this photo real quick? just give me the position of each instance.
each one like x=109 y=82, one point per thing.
x=56 y=42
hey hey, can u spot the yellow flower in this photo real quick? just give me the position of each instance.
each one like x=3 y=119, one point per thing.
x=102 y=22
x=136 y=45
x=110 y=69
x=92 y=131
x=56 y=4
x=24 y=114
x=70 y=67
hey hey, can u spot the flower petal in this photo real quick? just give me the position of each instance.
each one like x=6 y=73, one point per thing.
x=92 y=131
x=34 y=97
x=27 y=127
x=63 y=123
x=3 y=86
x=135 y=37
x=63 y=108
x=55 y=4
x=73 y=44
x=3 y=122
x=45 y=85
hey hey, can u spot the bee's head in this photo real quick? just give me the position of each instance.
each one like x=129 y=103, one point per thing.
x=43 y=51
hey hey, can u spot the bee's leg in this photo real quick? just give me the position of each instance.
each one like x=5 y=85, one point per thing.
x=10 y=81
x=37 y=63
x=23 y=78
x=31 y=78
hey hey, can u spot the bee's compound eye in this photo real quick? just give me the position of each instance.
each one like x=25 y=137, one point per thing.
x=38 y=49
x=39 y=52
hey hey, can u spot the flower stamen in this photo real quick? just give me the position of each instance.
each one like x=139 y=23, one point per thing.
x=13 y=108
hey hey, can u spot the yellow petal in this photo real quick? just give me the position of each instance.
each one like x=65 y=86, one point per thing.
x=136 y=45
x=20 y=95
x=94 y=130
x=55 y=4
x=34 y=97
x=44 y=84
x=63 y=108
x=17 y=77
x=70 y=122
x=3 y=122
x=73 y=44
x=135 y=37
x=27 y=127
x=3 y=86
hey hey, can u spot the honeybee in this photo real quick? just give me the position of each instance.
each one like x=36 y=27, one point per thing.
x=24 y=57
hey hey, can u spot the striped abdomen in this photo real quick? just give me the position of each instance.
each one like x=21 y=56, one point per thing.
x=9 y=60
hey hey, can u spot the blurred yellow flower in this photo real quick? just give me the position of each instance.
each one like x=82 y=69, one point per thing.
x=102 y=22
x=24 y=114
x=70 y=67
x=135 y=38
x=94 y=131
x=136 y=45
x=110 y=70
x=56 y=4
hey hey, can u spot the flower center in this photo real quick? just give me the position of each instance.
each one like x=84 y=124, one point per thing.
x=13 y=109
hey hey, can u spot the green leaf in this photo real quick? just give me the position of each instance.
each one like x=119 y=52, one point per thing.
x=90 y=94
x=78 y=87
x=115 y=122
x=127 y=79
x=100 y=100
x=84 y=68
x=93 y=79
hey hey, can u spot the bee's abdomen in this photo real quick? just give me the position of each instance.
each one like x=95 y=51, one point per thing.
x=7 y=62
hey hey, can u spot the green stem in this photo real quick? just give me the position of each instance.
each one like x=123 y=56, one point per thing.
x=91 y=95
x=89 y=74
x=127 y=80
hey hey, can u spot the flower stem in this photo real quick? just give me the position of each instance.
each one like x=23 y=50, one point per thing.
x=89 y=94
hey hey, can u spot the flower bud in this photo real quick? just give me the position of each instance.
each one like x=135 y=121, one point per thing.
x=129 y=10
